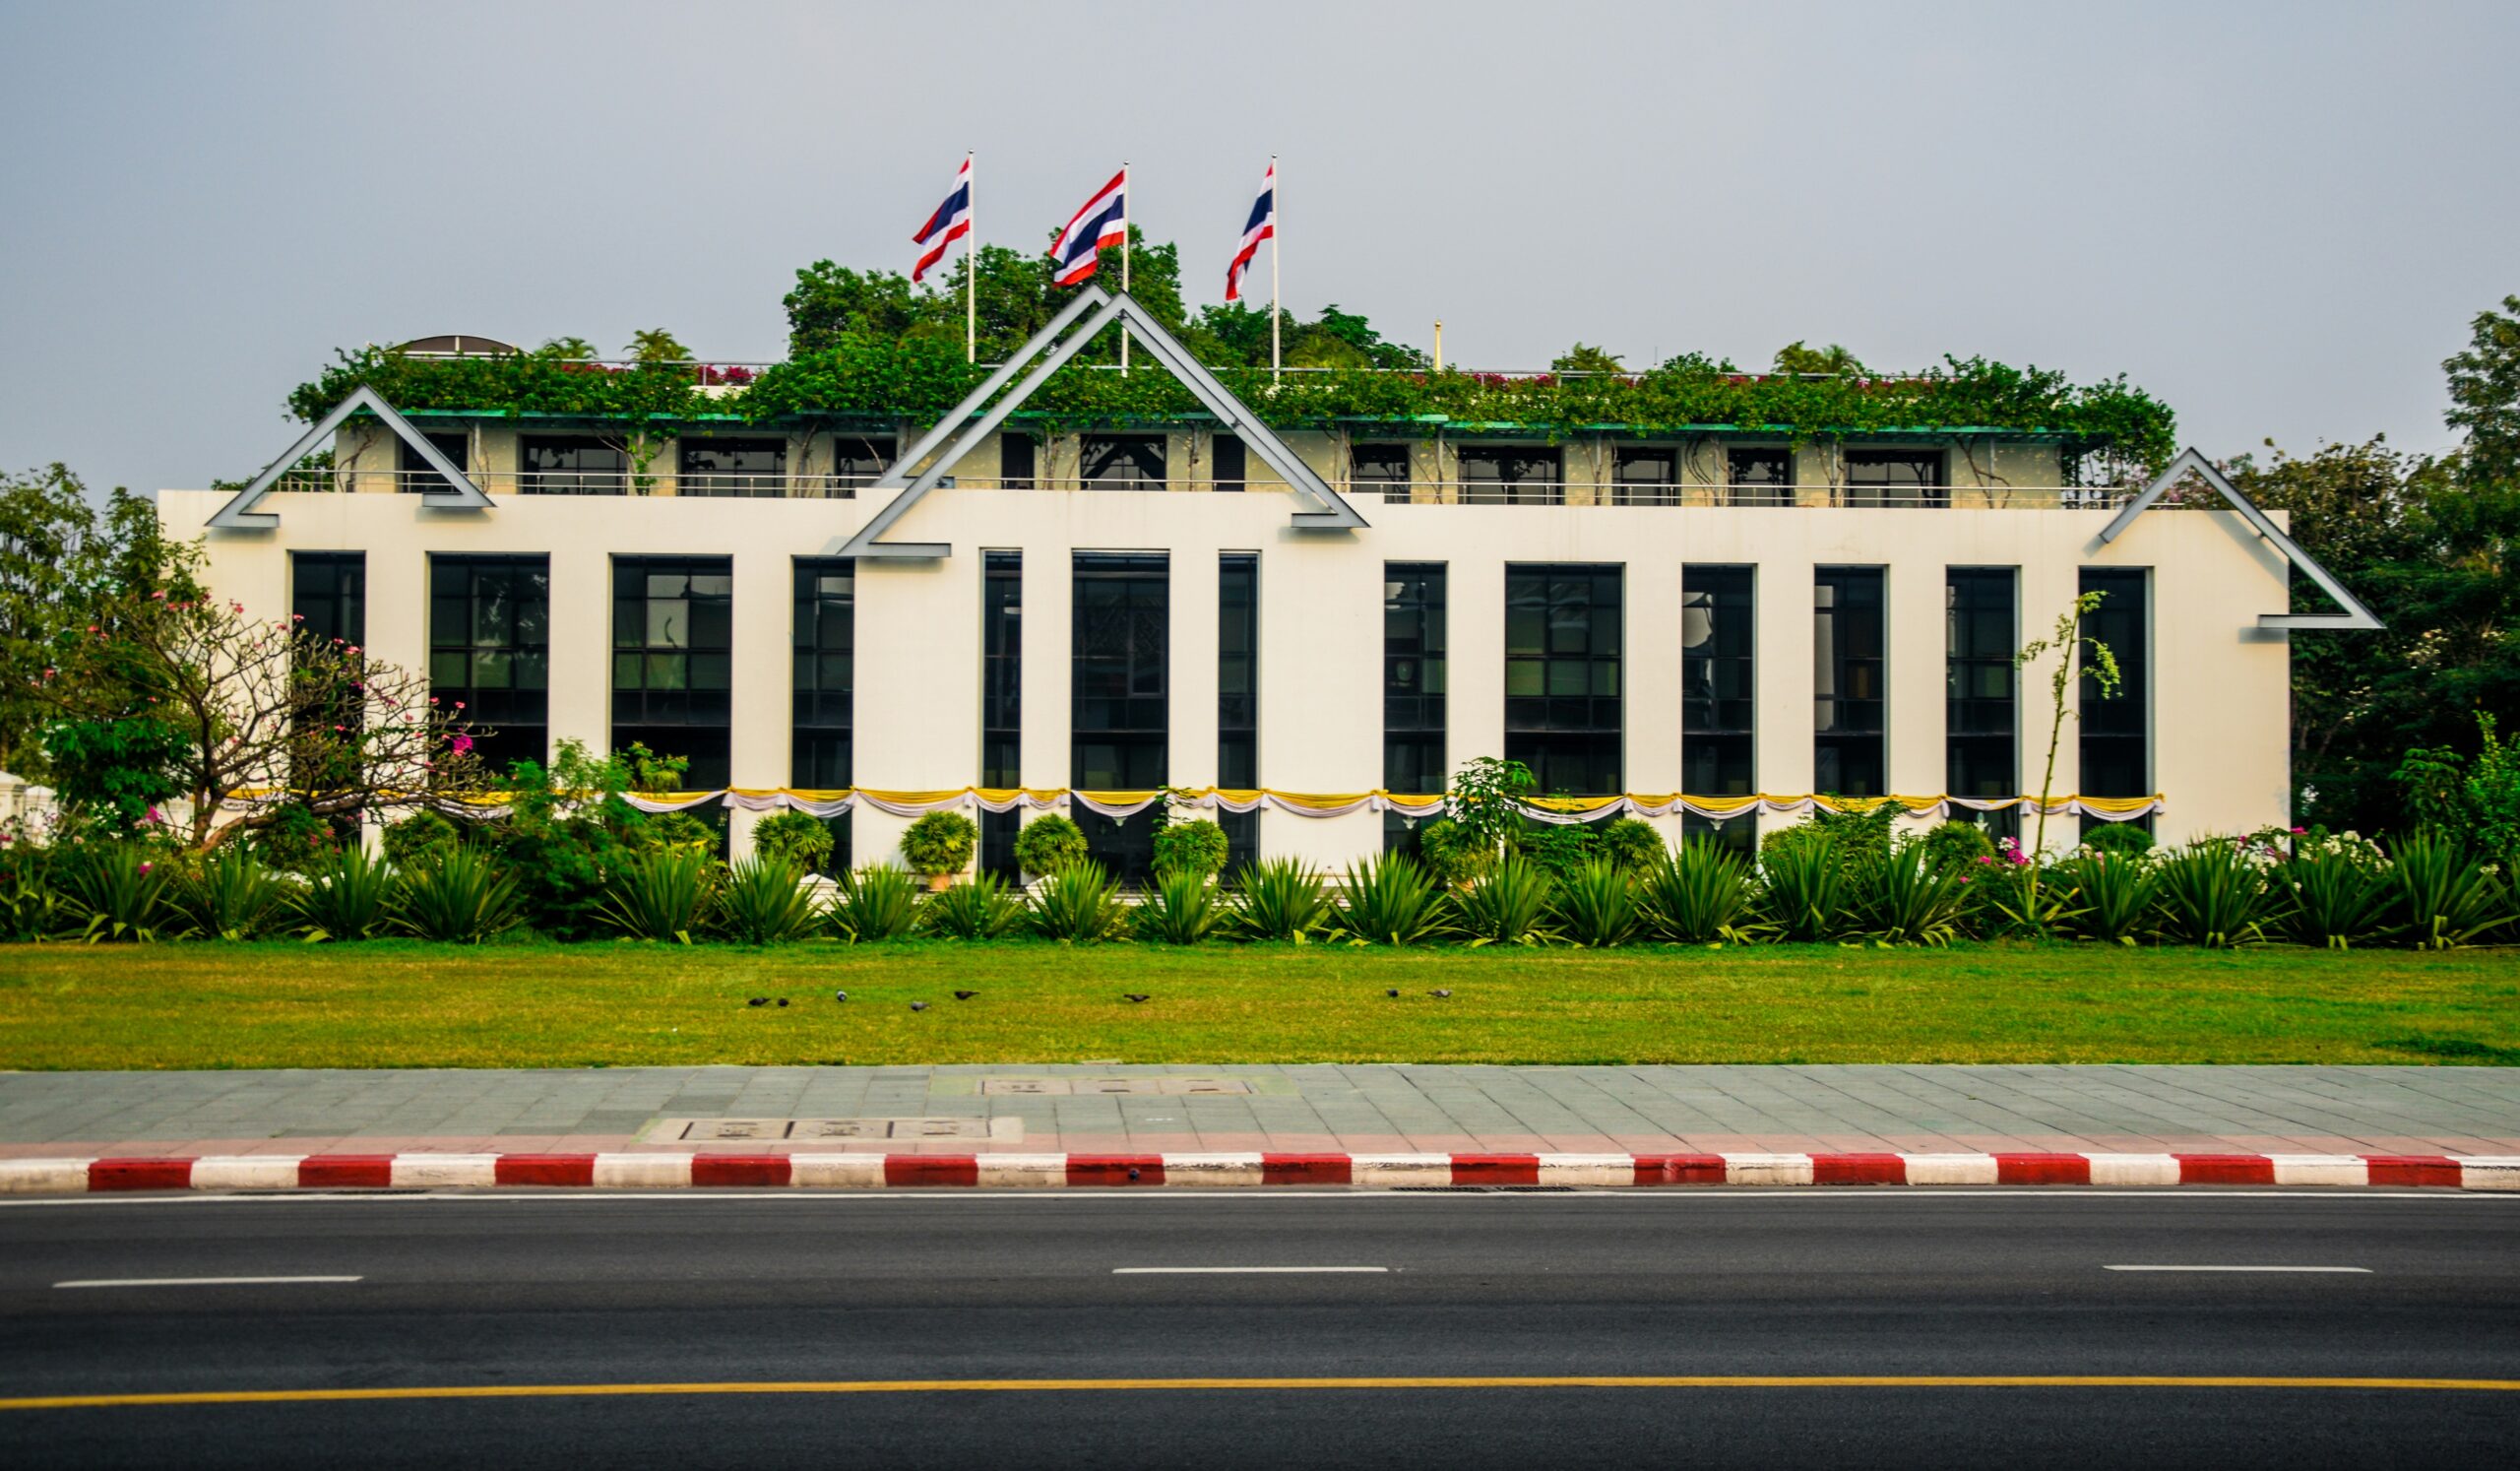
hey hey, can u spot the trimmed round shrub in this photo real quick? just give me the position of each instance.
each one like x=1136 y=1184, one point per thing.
x=423 y=838
x=794 y=837
x=1197 y=847
x=2118 y=837
x=939 y=844
x=1957 y=844
x=1050 y=844
x=1631 y=843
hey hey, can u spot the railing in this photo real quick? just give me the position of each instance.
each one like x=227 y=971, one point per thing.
x=1474 y=492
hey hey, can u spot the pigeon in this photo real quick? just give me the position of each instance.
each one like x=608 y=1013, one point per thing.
x=782 y=1000
x=1131 y=997
x=840 y=995
x=1443 y=993
x=1393 y=991
x=919 y=1006
x=758 y=1001
x=965 y=995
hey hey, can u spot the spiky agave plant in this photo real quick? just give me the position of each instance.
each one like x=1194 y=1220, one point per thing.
x=976 y=909
x=2443 y=897
x=1510 y=905
x=1280 y=899
x=873 y=904
x=1183 y=909
x=1079 y=904
x=2214 y=893
x=1908 y=898
x=2334 y=893
x=460 y=897
x=764 y=900
x=346 y=895
x=1804 y=890
x=660 y=894
x=1597 y=905
x=1701 y=895
x=120 y=891
x=2112 y=897
x=1393 y=901
x=232 y=896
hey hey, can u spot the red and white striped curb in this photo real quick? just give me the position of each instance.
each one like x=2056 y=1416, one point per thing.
x=659 y=1171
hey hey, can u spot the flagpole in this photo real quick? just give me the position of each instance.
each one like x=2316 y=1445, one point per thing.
x=1277 y=232
x=970 y=266
x=1124 y=262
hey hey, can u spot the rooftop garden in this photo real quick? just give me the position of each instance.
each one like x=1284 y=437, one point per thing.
x=870 y=346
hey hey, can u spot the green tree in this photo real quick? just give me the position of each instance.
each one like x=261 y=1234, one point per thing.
x=1583 y=358
x=832 y=302
x=655 y=345
x=1797 y=357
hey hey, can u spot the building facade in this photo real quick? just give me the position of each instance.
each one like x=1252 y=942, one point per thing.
x=1737 y=620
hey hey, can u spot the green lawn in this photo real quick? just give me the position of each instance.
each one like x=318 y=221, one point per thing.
x=401 y=1004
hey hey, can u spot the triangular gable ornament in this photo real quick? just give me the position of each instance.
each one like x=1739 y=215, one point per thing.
x=2355 y=616
x=460 y=495
x=1331 y=513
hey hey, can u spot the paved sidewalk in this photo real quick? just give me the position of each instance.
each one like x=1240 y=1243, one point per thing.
x=1035 y=1108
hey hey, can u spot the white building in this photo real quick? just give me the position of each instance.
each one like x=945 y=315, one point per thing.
x=1713 y=625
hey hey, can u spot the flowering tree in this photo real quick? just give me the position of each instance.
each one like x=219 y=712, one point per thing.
x=260 y=714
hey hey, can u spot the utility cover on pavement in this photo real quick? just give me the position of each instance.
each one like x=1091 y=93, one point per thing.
x=720 y=1130
x=1162 y=1085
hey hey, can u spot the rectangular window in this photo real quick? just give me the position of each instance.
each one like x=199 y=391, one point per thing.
x=1718 y=725
x=1123 y=461
x=1413 y=691
x=673 y=660
x=1519 y=476
x=1850 y=660
x=1120 y=694
x=1983 y=709
x=1760 y=476
x=2117 y=732
x=1562 y=704
x=572 y=465
x=1380 y=468
x=490 y=650
x=328 y=591
x=1646 y=478
x=1896 y=478
x=754 y=469
x=858 y=462
x=822 y=752
x=415 y=472
x=1001 y=704
x=1239 y=697
x=1018 y=461
x=1231 y=467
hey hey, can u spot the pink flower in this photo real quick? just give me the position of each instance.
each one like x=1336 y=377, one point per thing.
x=462 y=743
x=145 y=868
x=2299 y=831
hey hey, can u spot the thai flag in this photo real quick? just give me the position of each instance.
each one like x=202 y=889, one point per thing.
x=951 y=221
x=1263 y=225
x=1105 y=220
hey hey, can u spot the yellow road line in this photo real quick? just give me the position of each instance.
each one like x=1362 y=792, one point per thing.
x=1041 y=1386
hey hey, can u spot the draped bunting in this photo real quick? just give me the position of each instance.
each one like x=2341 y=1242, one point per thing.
x=1558 y=810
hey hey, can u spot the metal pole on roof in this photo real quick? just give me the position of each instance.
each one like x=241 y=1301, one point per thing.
x=1275 y=231
x=971 y=267
x=1124 y=262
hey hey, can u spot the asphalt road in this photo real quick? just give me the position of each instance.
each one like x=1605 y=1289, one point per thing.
x=929 y=1290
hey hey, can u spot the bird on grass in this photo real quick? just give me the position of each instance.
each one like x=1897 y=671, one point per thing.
x=1132 y=997
x=782 y=1000
x=1443 y=992
x=1393 y=991
x=840 y=995
x=965 y=995
x=758 y=1001
x=919 y=1006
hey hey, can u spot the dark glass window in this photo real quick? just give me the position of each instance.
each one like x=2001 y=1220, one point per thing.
x=823 y=676
x=1412 y=678
x=1718 y=711
x=328 y=591
x=749 y=468
x=416 y=477
x=490 y=648
x=1521 y=476
x=1123 y=461
x=1119 y=696
x=1646 y=478
x=1002 y=702
x=1379 y=467
x=2116 y=753
x=858 y=462
x=1849 y=659
x=672 y=660
x=1018 y=458
x=1562 y=703
x=1239 y=698
x=1981 y=714
x=1761 y=476
x=1896 y=478
x=573 y=466
x=1231 y=468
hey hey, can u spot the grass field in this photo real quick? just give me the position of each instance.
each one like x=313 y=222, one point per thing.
x=398 y=1005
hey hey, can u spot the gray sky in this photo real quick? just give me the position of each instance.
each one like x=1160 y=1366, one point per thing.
x=2278 y=217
